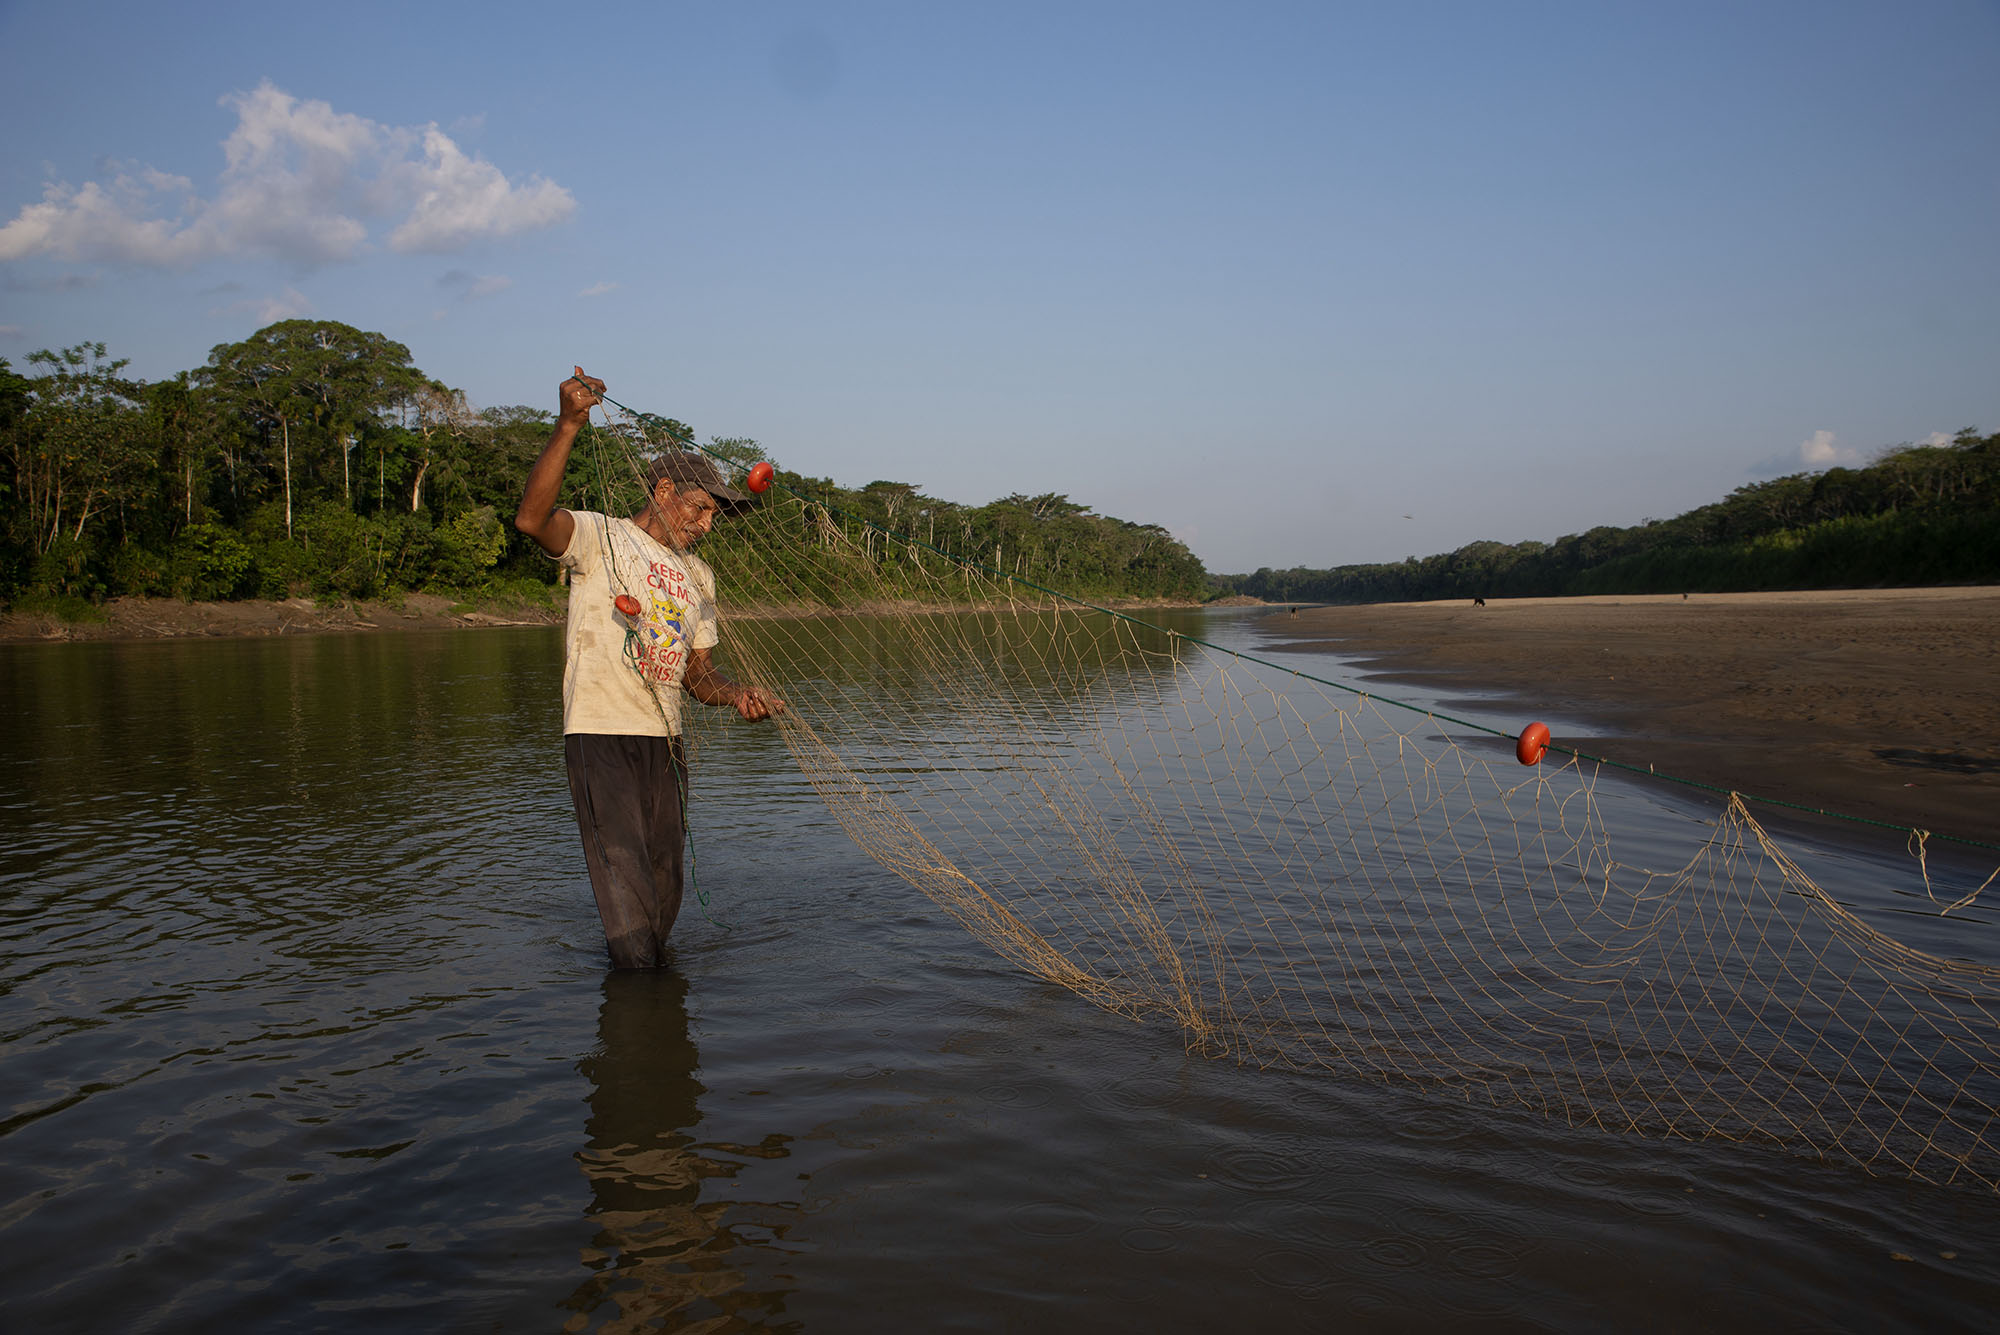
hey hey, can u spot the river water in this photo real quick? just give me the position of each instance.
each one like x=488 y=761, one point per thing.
x=305 y=1025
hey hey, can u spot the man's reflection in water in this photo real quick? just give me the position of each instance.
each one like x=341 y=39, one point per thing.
x=660 y=1256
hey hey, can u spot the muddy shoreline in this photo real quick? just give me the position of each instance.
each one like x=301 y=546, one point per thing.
x=169 y=618
x=1880 y=703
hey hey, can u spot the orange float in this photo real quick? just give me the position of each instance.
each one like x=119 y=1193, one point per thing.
x=760 y=476
x=627 y=604
x=1533 y=743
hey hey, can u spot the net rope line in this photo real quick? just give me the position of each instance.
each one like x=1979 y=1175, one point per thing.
x=1303 y=874
x=1919 y=836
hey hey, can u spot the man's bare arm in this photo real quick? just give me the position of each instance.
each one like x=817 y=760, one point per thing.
x=538 y=516
x=705 y=682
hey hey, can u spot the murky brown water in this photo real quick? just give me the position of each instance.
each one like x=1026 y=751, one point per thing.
x=304 y=1026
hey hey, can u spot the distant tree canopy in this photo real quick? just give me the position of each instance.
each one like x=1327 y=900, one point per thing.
x=314 y=457
x=1048 y=540
x=1919 y=514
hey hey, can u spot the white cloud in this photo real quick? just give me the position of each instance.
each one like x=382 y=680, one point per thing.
x=598 y=289
x=1821 y=451
x=98 y=223
x=301 y=182
x=11 y=331
x=461 y=199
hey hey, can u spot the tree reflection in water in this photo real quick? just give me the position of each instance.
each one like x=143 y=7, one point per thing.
x=661 y=1256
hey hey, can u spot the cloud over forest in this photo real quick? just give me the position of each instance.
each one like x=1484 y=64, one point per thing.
x=301 y=182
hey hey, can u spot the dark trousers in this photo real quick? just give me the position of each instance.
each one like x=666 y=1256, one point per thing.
x=628 y=793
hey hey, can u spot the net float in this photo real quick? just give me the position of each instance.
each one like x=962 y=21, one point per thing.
x=760 y=475
x=629 y=605
x=1533 y=743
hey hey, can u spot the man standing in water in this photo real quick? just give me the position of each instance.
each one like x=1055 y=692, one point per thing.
x=642 y=621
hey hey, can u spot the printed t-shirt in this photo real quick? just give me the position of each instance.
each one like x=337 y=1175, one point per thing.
x=623 y=675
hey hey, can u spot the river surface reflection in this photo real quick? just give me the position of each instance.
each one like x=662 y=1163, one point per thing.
x=305 y=1026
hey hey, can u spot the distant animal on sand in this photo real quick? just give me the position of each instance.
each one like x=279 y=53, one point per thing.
x=1479 y=602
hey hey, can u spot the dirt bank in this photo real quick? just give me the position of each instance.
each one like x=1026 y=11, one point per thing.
x=1879 y=703
x=167 y=618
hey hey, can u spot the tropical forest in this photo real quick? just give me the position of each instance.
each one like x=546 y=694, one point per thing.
x=315 y=459
x=1918 y=515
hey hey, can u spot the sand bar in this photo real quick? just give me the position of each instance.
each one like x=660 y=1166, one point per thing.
x=1882 y=703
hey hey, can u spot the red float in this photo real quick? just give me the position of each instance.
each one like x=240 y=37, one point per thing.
x=1533 y=743
x=760 y=476
x=627 y=604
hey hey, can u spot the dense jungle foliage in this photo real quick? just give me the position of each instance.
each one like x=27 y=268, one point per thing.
x=315 y=458
x=893 y=534
x=1917 y=515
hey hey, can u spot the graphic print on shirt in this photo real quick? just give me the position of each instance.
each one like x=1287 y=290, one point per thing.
x=663 y=630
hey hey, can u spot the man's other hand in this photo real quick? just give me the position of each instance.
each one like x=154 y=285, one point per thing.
x=754 y=704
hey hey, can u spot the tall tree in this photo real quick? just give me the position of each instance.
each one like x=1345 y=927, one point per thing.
x=319 y=373
x=78 y=443
x=443 y=421
x=181 y=420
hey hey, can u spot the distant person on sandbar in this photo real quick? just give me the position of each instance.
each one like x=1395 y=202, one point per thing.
x=642 y=620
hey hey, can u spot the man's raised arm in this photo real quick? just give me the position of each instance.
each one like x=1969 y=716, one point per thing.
x=538 y=516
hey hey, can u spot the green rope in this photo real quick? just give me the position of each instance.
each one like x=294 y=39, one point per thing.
x=1647 y=772
x=687 y=837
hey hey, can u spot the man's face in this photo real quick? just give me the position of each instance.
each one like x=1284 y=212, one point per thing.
x=689 y=512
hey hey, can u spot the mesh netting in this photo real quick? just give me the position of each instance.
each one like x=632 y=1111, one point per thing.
x=1303 y=875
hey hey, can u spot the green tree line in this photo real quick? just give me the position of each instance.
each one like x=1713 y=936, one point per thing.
x=315 y=458
x=895 y=533
x=1917 y=515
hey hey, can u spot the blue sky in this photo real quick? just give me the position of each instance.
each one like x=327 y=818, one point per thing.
x=1274 y=275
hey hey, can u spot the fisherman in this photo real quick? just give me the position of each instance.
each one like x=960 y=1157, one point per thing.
x=642 y=622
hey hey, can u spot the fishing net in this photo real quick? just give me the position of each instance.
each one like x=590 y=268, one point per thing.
x=1300 y=874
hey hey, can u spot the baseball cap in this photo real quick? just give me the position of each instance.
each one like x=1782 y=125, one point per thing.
x=684 y=466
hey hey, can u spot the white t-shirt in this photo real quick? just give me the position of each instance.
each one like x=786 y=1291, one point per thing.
x=622 y=675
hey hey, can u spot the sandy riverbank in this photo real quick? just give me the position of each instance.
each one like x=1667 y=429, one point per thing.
x=1880 y=702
